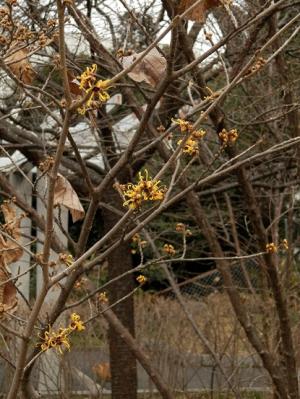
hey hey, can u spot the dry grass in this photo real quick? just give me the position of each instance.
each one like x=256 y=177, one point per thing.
x=246 y=395
x=162 y=321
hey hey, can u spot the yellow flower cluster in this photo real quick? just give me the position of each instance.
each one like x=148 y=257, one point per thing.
x=81 y=283
x=271 y=248
x=185 y=126
x=102 y=297
x=56 y=339
x=141 y=279
x=76 y=324
x=259 y=63
x=228 y=136
x=145 y=190
x=181 y=228
x=169 y=249
x=60 y=338
x=137 y=242
x=97 y=88
x=137 y=239
x=191 y=146
x=66 y=259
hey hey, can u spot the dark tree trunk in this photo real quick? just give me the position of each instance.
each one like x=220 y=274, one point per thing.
x=122 y=361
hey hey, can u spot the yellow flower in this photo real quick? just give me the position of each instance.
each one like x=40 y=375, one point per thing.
x=169 y=249
x=82 y=110
x=180 y=227
x=145 y=190
x=185 y=126
x=97 y=88
x=60 y=339
x=191 y=147
x=260 y=63
x=136 y=238
x=102 y=297
x=271 y=248
x=67 y=259
x=56 y=340
x=228 y=136
x=198 y=134
x=141 y=279
x=78 y=284
x=100 y=89
x=88 y=78
x=285 y=244
x=133 y=196
x=137 y=242
x=76 y=324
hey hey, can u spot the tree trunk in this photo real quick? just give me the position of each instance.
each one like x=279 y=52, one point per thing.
x=122 y=361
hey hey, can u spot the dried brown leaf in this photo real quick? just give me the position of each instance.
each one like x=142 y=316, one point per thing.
x=151 y=68
x=198 y=13
x=9 y=295
x=19 y=65
x=8 y=291
x=10 y=251
x=12 y=222
x=65 y=195
x=102 y=370
x=73 y=83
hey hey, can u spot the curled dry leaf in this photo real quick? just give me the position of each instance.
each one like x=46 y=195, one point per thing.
x=17 y=61
x=8 y=293
x=65 y=195
x=12 y=223
x=74 y=83
x=102 y=370
x=9 y=252
x=151 y=68
x=198 y=13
